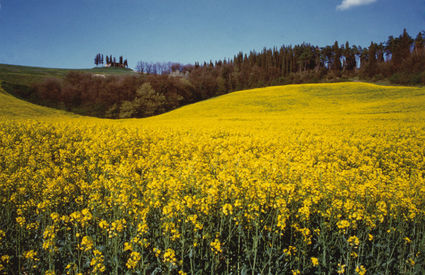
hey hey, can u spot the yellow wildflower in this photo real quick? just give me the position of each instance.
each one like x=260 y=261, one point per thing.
x=361 y=270
x=133 y=260
x=216 y=246
x=341 y=269
x=5 y=258
x=86 y=243
x=314 y=261
x=170 y=256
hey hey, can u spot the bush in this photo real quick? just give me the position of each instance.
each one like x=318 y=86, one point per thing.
x=146 y=103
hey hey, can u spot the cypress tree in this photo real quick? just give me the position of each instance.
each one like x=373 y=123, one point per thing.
x=97 y=59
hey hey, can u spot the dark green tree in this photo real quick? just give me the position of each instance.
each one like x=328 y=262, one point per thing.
x=97 y=59
x=419 y=43
x=337 y=53
x=370 y=66
x=349 y=58
x=399 y=48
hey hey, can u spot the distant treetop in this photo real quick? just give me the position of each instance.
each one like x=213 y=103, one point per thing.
x=111 y=61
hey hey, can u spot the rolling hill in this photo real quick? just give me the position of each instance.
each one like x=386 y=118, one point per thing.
x=339 y=100
x=26 y=75
x=291 y=104
x=301 y=179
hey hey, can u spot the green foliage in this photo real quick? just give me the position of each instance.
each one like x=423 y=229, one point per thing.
x=127 y=109
x=146 y=103
x=113 y=111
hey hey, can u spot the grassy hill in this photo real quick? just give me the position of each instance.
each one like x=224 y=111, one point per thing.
x=26 y=75
x=301 y=179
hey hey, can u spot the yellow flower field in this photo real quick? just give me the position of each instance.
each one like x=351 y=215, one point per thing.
x=299 y=179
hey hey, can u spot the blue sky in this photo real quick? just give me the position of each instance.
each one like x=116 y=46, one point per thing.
x=69 y=33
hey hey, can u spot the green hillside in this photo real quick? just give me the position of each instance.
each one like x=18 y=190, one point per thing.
x=26 y=75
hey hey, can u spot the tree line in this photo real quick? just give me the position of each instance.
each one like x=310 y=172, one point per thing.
x=110 y=61
x=158 y=67
x=161 y=87
x=400 y=59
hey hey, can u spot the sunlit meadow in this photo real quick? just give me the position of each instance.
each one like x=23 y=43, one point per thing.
x=299 y=179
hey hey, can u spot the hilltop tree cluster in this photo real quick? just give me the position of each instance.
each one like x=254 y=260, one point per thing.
x=110 y=61
x=400 y=60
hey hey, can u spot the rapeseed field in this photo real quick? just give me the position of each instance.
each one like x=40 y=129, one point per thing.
x=298 y=179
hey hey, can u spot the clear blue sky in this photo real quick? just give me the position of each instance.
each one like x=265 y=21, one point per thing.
x=69 y=33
